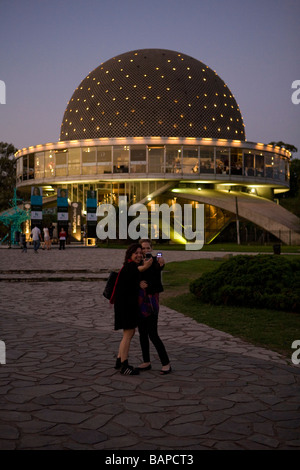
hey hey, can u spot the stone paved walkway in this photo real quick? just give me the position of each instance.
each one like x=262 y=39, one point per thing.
x=59 y=390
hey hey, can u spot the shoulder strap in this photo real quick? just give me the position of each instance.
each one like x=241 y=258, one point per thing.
x=112 y=298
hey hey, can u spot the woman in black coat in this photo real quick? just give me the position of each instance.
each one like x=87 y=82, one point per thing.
x=126 y=305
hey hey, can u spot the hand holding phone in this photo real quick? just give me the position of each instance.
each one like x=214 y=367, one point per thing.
x=160 y=259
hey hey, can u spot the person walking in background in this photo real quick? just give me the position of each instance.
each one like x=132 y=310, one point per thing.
x=51 y=230
x=149 y=308
x=36 y=237
x=46 y=237
x=24 y=243
x=62 y=238
x=126 y=305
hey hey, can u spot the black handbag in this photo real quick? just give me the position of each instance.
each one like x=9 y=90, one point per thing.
x=110 y=284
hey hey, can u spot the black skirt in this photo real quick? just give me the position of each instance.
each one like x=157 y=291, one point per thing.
x=126 y=303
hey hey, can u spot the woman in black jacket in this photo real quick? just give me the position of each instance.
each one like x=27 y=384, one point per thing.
x=126 y=305
x=149 y=308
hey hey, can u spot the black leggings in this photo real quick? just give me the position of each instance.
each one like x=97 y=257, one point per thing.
x=148 y=330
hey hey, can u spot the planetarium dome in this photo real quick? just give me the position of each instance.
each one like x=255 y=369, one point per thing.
x=152 y=92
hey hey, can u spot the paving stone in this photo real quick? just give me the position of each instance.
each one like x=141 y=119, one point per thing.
x=198 y=416
x=233 y=427
x=265 y=440
x=88 y=437
x=97 y=421
x=159 y=420
x=174 y=442
x=54 y=416
x=216 y=404
x=245 y=408
x=131 y=419
x=35 y=427
x=8 y=432
x=31 y=441
x=15 y=416
x=239 y=398
x=187 y=429
x=8 y=444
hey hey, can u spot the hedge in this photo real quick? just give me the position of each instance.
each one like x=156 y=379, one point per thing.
x=261 y=281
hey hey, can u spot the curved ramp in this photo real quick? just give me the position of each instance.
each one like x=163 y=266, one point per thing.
x=263 y=212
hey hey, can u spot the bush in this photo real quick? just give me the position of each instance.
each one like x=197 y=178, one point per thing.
x=262 y=281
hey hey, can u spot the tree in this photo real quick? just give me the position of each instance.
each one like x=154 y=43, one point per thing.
x=291 y=148
x=294 y=177
x=7 y=174
x=291 y=200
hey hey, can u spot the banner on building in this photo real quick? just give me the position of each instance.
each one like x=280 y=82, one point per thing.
x=36 y=201
x=62 y=209
x=76 y=208
x=91 y=213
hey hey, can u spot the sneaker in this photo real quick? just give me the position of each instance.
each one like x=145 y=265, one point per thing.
x=129 y=370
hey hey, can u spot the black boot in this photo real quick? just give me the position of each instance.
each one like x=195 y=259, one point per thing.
x=118 y=363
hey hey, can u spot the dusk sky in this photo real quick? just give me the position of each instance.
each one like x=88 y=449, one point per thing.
x=48 y=48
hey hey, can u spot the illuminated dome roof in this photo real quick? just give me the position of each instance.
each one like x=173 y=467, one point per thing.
x=152 y=92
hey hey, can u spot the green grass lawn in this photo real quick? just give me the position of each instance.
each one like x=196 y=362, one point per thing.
x=274 y=330
x=212 y=247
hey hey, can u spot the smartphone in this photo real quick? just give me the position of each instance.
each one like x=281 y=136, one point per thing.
x=159 y=255
x=148 y=256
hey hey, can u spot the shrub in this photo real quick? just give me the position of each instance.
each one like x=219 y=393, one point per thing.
x=262 y=281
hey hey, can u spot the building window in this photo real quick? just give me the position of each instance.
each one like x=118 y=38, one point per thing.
x=282 y=170
x=121 y=159
x=260 y=165
x=173 y=159
x=138 y=153
x=207 y=160
x=19 y=169
x=286 y=170
x=89 y=166
x=61 y=157
x=49 y=165
x=236 y=158
x=74 y=158
x=156 y=159
x=222 y=161
x=31 y=166
x=138 y=159
x=248 y=164
x=190 y=160
x=276 y=160
x=25 y=167
x=61 y=162
x=88 y=155
x=104 y=160
x=269 y=163
x=39 y=165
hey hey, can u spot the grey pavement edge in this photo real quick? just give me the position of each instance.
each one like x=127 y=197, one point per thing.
x=59 y=388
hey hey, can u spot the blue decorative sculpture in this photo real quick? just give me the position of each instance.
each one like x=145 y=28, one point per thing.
x=13 y=218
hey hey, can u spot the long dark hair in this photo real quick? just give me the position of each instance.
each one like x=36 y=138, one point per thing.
x=130 y=250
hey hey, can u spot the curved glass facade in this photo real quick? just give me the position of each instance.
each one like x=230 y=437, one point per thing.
x=155 y=170
x=167 y=161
